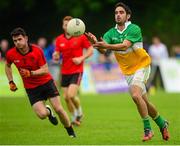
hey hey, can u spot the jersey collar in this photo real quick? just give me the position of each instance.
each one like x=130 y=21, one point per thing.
x=126 y=25
x=30 y=50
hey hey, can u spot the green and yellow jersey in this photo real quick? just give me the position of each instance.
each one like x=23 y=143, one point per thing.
x=133 y=58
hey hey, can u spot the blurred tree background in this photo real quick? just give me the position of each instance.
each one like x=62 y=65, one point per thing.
x=43 y=17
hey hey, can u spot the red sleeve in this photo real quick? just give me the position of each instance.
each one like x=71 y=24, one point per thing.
x=86 y=42
x=57 y=45
x=8 y=58
x=42 y=59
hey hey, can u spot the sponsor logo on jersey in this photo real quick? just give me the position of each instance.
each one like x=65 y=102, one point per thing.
x=62 y=45
x=16 y=61
x=114 y=39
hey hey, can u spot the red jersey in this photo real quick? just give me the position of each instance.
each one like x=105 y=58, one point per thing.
x=70 y=48
x=31 y=61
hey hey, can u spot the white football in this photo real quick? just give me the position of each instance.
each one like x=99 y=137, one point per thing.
x=75 y=27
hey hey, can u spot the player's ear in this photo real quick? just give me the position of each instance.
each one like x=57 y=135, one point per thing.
x=26 y=37
x=128 y=16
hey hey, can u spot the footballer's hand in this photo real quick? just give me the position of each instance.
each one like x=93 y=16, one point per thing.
x=77 y=60
x=56 y=56
x=25 y=73
x=100 y=46
x=12 y=86
x=91 y=37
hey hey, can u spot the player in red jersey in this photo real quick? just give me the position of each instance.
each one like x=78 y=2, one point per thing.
x=38 y=83
x=71 y=49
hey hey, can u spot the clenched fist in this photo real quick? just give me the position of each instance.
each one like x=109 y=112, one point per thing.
x=12 y=86
x=25 y=73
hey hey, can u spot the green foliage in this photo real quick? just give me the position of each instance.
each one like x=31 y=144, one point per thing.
x=78 y=8
x=155 y=17
x=28 y=4
x=24 y=4
x=162 y=18
x=95 y=6
x=4 y=4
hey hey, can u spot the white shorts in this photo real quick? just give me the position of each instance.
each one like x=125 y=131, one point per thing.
x=139 y=78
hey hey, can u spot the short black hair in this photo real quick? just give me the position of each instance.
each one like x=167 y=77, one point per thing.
x=67 y=18
x=126 y=7
x=18 y=31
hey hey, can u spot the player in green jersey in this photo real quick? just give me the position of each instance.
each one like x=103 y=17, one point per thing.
x=125 y=40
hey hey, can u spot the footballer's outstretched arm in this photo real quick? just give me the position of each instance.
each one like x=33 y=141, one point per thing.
x=93 y=39
x=116 y=47
x=8 y=71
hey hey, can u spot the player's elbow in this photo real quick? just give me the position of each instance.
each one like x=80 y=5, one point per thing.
x=46 y=71
x=90 y=50
x=91 y=53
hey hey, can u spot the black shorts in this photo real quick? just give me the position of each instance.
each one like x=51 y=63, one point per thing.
x=68 y=79
x=43 y=92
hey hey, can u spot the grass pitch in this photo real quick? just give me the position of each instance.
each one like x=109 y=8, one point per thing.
x=110 y=119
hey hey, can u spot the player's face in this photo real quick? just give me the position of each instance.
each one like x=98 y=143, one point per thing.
x=120 y=15
x=20 y=41
x=65 y=25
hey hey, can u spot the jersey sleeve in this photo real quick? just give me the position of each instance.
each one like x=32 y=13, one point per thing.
x=134 y=35
x=85 y=42
x=57 y=45
x=8 y=58
x=42 y=59
x=107 y=37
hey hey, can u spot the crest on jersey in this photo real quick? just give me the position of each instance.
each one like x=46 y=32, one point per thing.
x=16 y=61
x=62 y=45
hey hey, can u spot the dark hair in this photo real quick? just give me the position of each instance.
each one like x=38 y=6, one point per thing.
x=18 y=31
x=126 y=8
x=67 y=18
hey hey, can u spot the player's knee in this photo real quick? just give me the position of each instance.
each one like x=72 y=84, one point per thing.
x=136 y=97
x=42 y=114
x=58 y=110
x=67 y=99
x=71 y=95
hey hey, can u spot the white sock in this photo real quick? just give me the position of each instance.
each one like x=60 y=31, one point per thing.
x=74 y=115
x=79 y=111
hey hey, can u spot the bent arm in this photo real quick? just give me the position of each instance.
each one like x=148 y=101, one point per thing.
x=41 y=71
x=88 y=53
